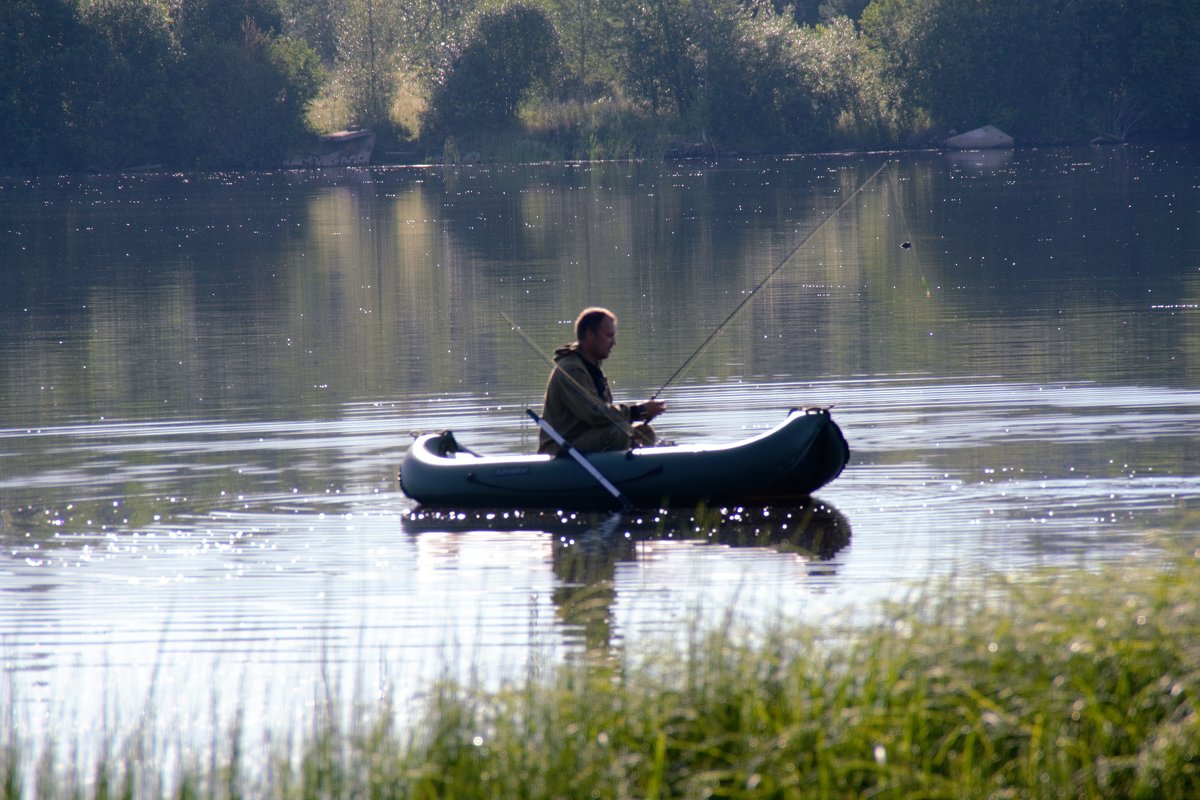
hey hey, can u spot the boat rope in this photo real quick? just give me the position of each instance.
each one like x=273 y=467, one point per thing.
x=745 y=300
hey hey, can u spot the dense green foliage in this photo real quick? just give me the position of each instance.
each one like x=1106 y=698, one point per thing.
x=1078 y=685
x=112 y=83
x=1043 y=71
x=508 y=52
x=121 y=83
x=37 y=68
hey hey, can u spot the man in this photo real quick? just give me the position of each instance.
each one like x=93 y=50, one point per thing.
x=578 y=402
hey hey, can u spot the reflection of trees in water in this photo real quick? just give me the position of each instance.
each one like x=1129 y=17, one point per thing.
x=588 y=547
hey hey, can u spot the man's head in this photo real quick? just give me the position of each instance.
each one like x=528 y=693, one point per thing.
x=596 y=333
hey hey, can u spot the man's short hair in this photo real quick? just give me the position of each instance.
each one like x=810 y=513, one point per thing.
x=590 y=320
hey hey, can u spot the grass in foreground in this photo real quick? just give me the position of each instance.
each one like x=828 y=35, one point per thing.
x=1082 y=685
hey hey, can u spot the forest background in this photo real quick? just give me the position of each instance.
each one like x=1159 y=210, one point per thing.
x=117 y=84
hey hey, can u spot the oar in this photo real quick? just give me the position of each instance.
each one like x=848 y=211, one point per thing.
x=583 y=462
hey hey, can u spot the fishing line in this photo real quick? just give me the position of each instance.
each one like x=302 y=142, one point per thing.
x=717 y=331
x=907 y=243
x=895 y=195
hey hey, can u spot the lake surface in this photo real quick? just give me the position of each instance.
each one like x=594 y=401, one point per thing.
x=207 y=382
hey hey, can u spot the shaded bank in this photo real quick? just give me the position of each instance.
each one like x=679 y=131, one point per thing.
x=212 y=84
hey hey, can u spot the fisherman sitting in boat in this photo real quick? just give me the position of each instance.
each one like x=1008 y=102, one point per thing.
x=578 y=402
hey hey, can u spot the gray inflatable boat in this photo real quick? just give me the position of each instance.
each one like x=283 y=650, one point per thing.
x=786 y=463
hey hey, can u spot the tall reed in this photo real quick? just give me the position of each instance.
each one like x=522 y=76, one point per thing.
x=1060 y=685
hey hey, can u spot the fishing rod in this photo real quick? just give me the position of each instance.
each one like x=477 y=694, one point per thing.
x=718 y=330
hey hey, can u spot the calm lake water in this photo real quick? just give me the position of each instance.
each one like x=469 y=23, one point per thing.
x=207 y=382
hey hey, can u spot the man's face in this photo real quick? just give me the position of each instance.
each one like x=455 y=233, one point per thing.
x=597 y=344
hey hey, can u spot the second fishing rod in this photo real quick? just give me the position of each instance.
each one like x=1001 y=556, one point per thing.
x=750 y=295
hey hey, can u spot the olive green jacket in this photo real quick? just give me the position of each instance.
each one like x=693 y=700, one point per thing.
x=582 y=416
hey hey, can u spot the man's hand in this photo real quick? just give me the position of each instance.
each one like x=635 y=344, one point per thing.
x=652 y=408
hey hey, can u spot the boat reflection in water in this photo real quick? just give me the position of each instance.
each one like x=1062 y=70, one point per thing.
x=587 y=547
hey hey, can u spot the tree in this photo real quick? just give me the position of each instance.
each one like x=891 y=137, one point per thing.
x=114 y=83
x=850 y=103
x=771 y=84
x=379 y=43
x=1164 y=61
x=745 y=72
x=509 y=52
x=39 y=40
x=816 y=12
x=367 y=50
x=1044 y=71
x=588 y=31
x=123 y=94
x=247 y=97
x=750 y=90
x=222 y=20
x=314 y=22
x=1006 y=62
x=660 y=60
